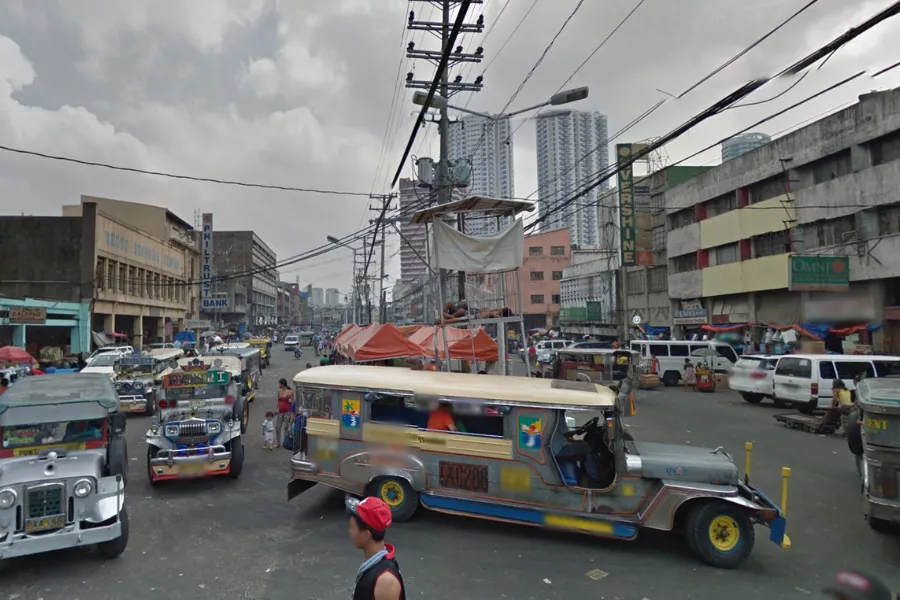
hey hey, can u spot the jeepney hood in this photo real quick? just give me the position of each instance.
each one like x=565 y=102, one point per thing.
x=674 y=462
x=31 y=469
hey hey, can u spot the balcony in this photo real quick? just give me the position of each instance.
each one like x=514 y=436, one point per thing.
x=755 y=275
x=743 y=223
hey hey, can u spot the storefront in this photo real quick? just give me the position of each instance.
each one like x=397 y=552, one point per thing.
x=34 y=324
x=688 y=318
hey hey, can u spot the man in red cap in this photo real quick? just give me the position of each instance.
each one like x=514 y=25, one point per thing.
x=858 y=585
x=379 y=576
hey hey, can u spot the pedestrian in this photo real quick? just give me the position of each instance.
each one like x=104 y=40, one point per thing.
x=269 y=430
x=379 y=576
x=283 y=416
x=690 y=374
x=857 y=585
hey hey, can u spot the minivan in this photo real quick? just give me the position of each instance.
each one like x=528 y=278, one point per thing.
x=671 y=355
x=804 y=380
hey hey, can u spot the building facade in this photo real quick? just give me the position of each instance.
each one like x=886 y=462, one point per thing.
x=487 y=145
x=332 y=297
x=412 y=242
x=316 y=296
x=744 y=238
x=244 y=258
x=571 y=148
x=589 y=294
x=741 y=144
x=34 y=324
x=546 y=256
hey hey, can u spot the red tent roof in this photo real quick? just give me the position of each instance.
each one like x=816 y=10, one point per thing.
x=379 y=342
x=464 y=344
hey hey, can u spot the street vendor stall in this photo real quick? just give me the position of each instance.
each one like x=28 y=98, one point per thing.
x=379 y=342
x=463 y=344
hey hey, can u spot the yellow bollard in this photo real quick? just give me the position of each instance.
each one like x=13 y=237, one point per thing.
x=748 y=448
x=785 y=476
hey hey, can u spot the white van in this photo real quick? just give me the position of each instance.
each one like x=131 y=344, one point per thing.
x=544 y=349
x=671 y=355
x=804 y=380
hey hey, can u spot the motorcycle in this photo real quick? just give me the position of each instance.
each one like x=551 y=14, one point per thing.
x=298 y=353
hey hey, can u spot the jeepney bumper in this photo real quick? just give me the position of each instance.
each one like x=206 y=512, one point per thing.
x=301 y=470
x=767 y=513
x=182 y=464
x=135 y=403
x=100 y=507
x=880 y=508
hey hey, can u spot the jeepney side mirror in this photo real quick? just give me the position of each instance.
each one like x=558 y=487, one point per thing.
x=118 y=423
x=157 y=382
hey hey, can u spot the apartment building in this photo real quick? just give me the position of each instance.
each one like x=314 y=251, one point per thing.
x=803 y=229
x=546 y=255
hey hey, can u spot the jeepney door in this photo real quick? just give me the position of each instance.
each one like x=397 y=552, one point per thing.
x=532 y=434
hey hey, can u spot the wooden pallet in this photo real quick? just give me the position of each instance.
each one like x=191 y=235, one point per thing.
x=825 y=422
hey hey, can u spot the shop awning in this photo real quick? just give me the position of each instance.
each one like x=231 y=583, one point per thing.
x=464 y=344
x=379 y=342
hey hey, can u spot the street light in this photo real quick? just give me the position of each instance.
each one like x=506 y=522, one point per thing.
x=564 y=97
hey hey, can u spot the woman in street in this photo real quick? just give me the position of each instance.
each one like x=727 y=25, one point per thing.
x=283 y=414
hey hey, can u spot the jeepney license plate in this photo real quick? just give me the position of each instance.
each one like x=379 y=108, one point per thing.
x=190 y=469
x=45 y=523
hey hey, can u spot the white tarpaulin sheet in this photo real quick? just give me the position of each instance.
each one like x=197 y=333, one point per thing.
x=460 y=252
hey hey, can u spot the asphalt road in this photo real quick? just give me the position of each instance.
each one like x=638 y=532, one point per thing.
x=223 y=539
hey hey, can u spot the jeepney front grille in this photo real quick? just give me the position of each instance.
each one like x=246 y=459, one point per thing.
x=45 y=501
x=192 y=429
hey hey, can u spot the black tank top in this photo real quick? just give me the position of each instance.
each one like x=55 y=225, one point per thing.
x=365 y=583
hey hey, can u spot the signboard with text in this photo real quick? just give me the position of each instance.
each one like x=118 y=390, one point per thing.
x=634 y=210
x=693 y=316
x=206 y=258
x=27 y=315
x=819 y=273
x=124 y=242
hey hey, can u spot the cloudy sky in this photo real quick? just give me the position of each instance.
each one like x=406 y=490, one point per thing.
x=297 y=93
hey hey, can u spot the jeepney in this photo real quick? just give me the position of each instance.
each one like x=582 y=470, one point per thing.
x=264 y=346
x=363 y=430
x=879 y=401
x=136 y=379
x=63 y=466
x=607 y=366
x=200 y=419
x=250 y=369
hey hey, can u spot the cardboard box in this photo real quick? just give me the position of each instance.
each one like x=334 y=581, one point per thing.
x=721 y=381
x=812 y=347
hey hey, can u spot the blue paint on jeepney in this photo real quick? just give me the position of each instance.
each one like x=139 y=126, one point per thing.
x=778 y=528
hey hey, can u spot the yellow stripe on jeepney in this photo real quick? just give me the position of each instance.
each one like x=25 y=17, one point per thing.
x=438 y=441
x=35 y=450
x=328 y=428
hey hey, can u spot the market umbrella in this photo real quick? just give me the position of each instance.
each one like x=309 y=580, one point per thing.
x=12 y=354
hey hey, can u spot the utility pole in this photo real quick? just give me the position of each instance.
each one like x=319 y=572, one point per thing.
x=444 y=180
x=385 y=206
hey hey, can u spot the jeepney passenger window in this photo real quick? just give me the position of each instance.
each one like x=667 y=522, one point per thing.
x=479 y=419
x=316 y=401
x=395 y=410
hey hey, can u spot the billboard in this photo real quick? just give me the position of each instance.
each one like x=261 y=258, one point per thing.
x=206 y=257
x=819 y=273
x=635 y=221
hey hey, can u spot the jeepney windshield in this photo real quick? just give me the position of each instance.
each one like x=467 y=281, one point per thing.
x=210 y=392
x=24 y=436
x=199 y=384
x=107 y=359
x=132 y=370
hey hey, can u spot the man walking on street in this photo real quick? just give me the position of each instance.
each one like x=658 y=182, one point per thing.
x=379 y=576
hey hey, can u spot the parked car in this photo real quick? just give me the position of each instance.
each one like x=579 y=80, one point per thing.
x=119 y=350
x=590 y=345
x=545 y=349
x=103 y=363
x=291 y=342
x=753 y=377
x=804 y=381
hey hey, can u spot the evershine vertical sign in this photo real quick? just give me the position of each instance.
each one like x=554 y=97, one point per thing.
x=206 y=259
x=627 y=225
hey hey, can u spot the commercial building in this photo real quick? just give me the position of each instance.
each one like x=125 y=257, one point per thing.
x=546 y=255
x=589 y=294
x=571 y=148
x=805 y=228
x=242 y=257
x=412 y=242
x=34 y=324
x=486 y=144
x=741 y=144
x=133 y=263
x=316 y=296
x=332 y=297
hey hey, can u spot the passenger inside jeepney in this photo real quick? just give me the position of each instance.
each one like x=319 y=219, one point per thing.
x=471 y=418
x=441 y=418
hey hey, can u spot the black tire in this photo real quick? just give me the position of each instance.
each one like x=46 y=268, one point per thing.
x=670 y=378
x=237 y=458
x=115 y=548
x=151 y=405
x=397 y=494
x=751 y=398
x=151 y=453
x=241 y=412
x=117 y=458
x=717 y=523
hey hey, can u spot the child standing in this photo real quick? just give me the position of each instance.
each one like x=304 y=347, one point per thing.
x=269 y=430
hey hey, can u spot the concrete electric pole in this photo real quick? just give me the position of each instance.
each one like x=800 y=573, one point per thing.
x=445 y=178
x=383 y=209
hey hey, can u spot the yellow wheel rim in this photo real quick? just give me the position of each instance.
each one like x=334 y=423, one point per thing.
x=392 y=494
x=724 y=533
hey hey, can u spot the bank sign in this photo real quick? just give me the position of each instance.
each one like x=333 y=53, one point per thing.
x=819 y=274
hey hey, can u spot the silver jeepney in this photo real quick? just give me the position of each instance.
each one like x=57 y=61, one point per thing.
x=200 y=418
x=135 y=376
x=62 y=466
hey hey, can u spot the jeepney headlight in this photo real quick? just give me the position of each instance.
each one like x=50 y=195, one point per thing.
x=7 y=498
x=214 y=427
x=171 y=431
x=83 y=487
x=138 y=385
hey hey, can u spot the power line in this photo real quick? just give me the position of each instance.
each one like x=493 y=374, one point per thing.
x=264 y=186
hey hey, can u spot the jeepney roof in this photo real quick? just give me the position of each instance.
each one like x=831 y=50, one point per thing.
x=166 y=354
x=233 y=345
x=229 y=362
x=496 y=388
x=68 y=396
x=244 y=352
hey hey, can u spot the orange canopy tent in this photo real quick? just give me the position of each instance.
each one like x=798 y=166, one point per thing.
x=464 y=344
x=346 y=332
x=408 y=330
x=379 y=342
